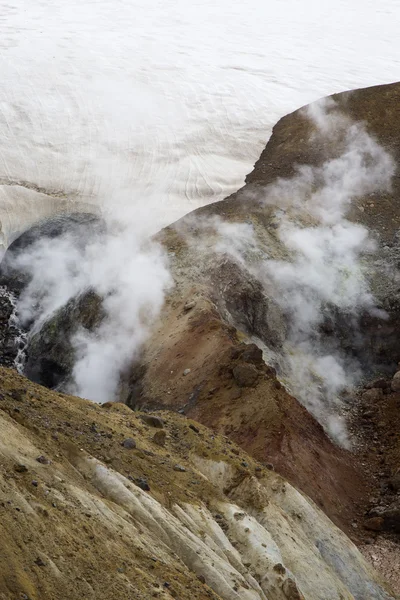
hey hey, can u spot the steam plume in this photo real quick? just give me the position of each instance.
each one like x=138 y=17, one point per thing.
x=324 y=273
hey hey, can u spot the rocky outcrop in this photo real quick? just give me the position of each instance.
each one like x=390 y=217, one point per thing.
x=50 y=351
x=84 y=514
x=48 y=354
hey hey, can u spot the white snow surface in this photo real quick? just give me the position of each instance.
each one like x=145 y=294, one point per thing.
x=165 y=106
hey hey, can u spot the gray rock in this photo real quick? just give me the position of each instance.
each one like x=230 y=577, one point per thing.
x=129 y=444
x=160 y=437
x=179 y=468
x=372 y=395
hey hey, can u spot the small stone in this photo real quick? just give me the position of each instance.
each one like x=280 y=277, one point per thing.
x=160 y=437
x=43 y=460
x=378 y=383
x=152 y=421
x=129 y=444
x=391 y=518
x=201 y=578
x=35 y=483
x=374 y=524
x=179 y=468
x=189 y=306
x=17 y=395
x=186 y=372
x=270 y=467
x=194 y=428
x=20 y=468
x=143 y=484
x=244 y=464
x=279 y=568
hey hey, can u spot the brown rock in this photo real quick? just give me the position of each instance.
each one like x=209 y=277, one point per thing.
x=253 y=354
x=160 y=437
x=372 y=395
x=291 y=590
x=129 y=444
x=378 y=383
x=189 y=305
x=20 y=468
x=391 y=518
x=374 y=524
x=245 y=375
x=394 y=482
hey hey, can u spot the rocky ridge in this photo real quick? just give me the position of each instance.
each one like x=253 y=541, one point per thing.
x=85 y=514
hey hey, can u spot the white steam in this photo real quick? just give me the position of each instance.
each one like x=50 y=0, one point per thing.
x=323 y=273
x=126 y=270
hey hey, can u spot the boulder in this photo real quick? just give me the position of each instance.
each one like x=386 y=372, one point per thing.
x=245 y=375
x=152 y=421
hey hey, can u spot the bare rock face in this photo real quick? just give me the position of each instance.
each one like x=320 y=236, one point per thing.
x=188 y=517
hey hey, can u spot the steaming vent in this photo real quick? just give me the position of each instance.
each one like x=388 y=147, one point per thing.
x=90 y=290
